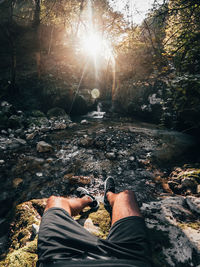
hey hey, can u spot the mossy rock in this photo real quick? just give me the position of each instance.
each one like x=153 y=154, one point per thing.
x=56 y=112
x=37 y=113
x=97 y=222
x=23 y=243
x=15 y=122
x=23 y=247
x=101 y=218
x=190 y=173
x=37 y=121
x=23 y=257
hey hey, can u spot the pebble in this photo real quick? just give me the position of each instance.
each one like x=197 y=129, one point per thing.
x=39 y=174
x=44 y=147
x=4 y=132
x=84 y=122
x=110 y=155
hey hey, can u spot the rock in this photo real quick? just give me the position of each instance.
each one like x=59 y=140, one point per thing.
x=186 y=178
x=84 y=122
x=16 y=182
x=110 y=155
x=60 y=126
x=24 y=228
x=86 y=142
x=23 y=250
x=56 y=112
x=15 y=122
x=188 y=182
x=35 y=228
x=4 y=132
x=44 y=147
x=7 y=109
x=83 y=180
x=193 y=203
x=198 y=189
x=30 y=136
x=172 y=229
x=2 y=162
x=21 y=141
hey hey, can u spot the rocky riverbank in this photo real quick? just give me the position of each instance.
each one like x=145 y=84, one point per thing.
x=53 y=155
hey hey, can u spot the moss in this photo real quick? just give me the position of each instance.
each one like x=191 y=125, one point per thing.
x=190 y=173
x=193 y=225
x=23 y=257
x=101 y=218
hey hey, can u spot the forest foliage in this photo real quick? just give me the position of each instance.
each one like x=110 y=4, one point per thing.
x=41 y=49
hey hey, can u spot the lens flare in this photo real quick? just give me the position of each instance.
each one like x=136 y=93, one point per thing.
x=97 y=46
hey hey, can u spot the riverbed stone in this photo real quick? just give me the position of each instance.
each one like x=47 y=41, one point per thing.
x=43 y=147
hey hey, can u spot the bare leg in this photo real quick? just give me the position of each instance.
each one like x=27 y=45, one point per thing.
x=123 y=205
x=72 y=205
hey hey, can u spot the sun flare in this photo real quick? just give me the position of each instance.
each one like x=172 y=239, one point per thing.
x=96 y=46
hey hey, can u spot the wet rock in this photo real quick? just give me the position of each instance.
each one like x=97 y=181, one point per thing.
x=86 y=142
x=85 y=122
x=16 y=182
x=44 y=147
x=30 y=136
x=173 y=146
x=4 y=132
x=60 y=126
x=83 y=180
x=21 y=141
x=111 y=155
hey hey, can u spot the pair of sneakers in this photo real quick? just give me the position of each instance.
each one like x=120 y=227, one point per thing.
x=109 y=186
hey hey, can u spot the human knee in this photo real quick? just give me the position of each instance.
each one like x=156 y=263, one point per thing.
x=52 y=200
x=126 y=193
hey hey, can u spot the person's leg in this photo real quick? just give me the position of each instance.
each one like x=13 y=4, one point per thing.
x=123 y=205
x=72 y=205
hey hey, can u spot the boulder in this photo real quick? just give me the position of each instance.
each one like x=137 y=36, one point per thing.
x=174 y=231
x=56 y=112
x=184 y=180
x=44 y=147
x=15 y=122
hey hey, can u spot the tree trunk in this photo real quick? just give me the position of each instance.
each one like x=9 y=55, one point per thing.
x=36 y=27
x=13 y=60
